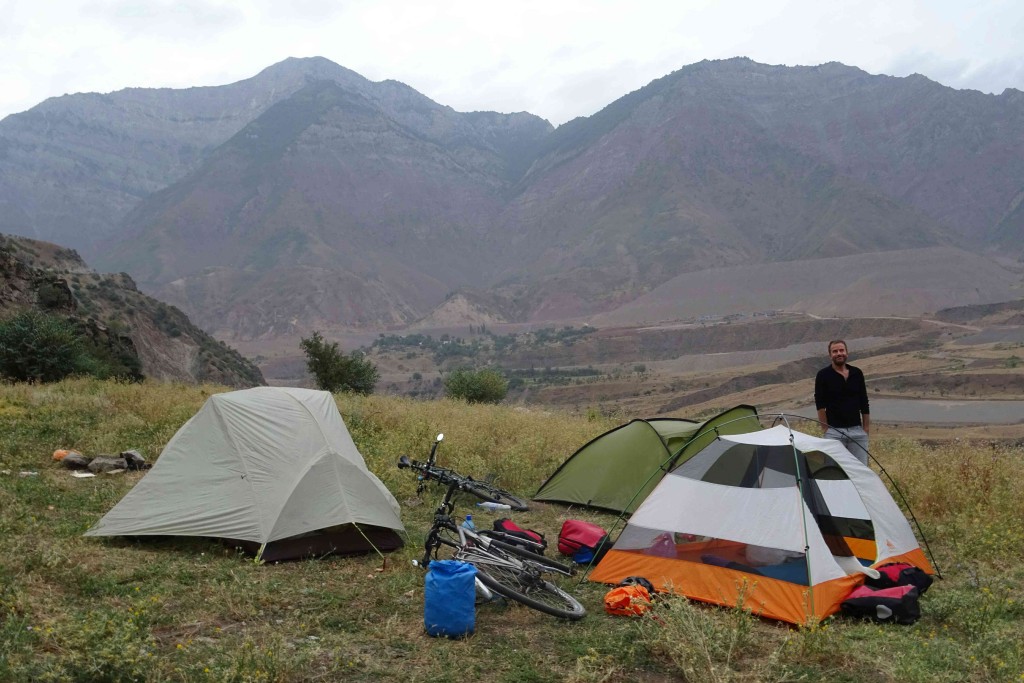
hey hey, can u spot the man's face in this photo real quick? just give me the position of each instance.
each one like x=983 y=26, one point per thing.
x=838 y=354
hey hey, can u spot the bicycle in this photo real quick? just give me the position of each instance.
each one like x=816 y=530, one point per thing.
x=508 y=570
x=429 y=471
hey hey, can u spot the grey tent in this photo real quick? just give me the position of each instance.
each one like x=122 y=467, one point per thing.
x=272 y=469
x=618 y=469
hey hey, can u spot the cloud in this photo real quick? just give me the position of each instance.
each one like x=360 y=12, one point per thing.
x=988 y=76
x=185 y=21
x=556 y=59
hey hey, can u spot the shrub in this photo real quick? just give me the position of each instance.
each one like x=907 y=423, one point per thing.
x=38 y=347
x=476 y=386
x=336 y=371
x=52 y=296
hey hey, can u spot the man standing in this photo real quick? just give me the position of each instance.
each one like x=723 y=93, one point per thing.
x=841 y=397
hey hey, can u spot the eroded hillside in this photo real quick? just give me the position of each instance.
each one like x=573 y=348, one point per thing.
x=146 y=333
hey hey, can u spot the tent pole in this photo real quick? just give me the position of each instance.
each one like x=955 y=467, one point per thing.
x=803 y=518
x=895 y=486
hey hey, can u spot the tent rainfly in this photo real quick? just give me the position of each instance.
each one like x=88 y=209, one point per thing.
x=784 y=523
x=618 y=469
x=273 y=470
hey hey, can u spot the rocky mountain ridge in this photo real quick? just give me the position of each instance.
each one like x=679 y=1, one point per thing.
x=157 y=339
x=309 y=197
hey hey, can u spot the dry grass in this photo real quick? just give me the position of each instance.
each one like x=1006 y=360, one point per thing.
x=76 y=609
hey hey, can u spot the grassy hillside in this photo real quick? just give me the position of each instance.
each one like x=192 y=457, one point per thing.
x=76 y=609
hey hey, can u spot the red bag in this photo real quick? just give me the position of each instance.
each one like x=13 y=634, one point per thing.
x=513 y=532
x=627 y=601
x=581 y=539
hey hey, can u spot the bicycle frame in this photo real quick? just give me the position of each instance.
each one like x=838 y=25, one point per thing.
x=503 y=568
x=471 y=543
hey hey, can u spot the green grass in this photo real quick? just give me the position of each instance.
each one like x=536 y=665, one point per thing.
x=77 y=609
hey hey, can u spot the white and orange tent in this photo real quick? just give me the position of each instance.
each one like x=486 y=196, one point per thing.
x=776 y=521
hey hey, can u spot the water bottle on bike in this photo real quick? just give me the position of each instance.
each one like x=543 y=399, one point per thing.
x=468 y=523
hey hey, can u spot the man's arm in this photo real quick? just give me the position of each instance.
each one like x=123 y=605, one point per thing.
x=819 y=400
x=865 y=409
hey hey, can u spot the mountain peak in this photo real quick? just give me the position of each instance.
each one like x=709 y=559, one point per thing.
x=311 y=69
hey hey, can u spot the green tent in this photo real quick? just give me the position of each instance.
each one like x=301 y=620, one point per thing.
x=616 y=470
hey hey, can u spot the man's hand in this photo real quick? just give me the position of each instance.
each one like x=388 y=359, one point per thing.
x=822 y=422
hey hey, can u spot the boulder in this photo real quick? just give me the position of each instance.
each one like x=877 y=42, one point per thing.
x=135 y=460
x=106 y=463
x=75 y=461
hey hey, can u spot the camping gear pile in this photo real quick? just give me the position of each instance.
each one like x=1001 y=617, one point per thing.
x=784 y=524
x=583 y=541
x=891 y=596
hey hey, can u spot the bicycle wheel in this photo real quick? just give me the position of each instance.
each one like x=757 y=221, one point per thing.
x=485 y=491
x=545 y=563
x=527 y=587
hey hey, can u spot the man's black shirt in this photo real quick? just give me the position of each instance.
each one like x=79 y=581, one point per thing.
x=843 y=399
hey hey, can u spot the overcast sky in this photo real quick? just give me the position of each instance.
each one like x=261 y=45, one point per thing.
x=555 y=58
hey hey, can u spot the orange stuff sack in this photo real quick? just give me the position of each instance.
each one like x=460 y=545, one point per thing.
x=627 y=601
x=60 y=454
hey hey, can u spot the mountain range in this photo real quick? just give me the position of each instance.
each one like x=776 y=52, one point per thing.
x=308 y=197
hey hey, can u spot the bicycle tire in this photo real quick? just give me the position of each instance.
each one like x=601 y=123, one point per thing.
x=522 y=553
x=529 y=589
x=488 y=492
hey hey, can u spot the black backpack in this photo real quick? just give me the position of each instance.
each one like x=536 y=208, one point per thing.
x=900 y=574
x=898 y=604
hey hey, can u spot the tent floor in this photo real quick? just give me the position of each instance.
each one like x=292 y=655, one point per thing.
x=345 y=541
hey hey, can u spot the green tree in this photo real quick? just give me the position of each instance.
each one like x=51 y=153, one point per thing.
x=333 y=370
x=476 y=386
x=39 y=347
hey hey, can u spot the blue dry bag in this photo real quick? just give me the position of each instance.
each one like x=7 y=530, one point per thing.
x=449 y=606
